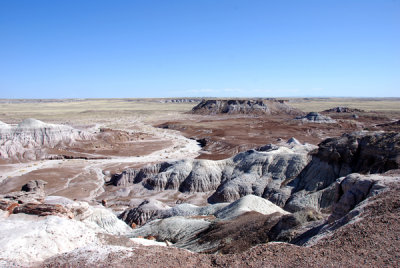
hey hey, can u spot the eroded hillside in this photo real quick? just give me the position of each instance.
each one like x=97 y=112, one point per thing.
x=234 y=179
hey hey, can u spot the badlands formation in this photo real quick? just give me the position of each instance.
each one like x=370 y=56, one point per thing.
x=260 y=106
x=231 y=183
x=27 y=140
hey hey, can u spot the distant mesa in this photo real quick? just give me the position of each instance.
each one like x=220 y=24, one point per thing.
x=314 y=117
x=341 y=109
x=183 y=100
x=245 y=106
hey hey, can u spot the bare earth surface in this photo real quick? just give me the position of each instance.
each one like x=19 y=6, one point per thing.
x=224 y=135
x=134 y=134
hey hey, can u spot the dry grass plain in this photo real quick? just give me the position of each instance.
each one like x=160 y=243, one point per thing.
x=83 y=111
x=90 y=110
x=367 y=104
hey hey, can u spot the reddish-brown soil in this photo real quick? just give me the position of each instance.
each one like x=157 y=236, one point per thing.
x=223 y=136
x=109 y=143
x=56 y=178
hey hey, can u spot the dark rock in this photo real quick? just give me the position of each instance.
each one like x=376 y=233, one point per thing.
x=267 y=148
x=9 y=205
x=352 y=190
x=362 y=152
x=236 y=235
x=314 y=117
x=147 y=210
x=286 y=227
x=26 y=197
x=202 y=142
x=43 y=210
x=245 y=106
x=340 y=109
x=359 y=152
x=32 y=192
x=34 y=185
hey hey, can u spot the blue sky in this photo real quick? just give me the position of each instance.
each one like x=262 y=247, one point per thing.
x=166 y=48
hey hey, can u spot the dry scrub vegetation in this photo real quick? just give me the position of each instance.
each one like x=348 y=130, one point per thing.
x=82 y=111
x=367 y=104
x=90 y=110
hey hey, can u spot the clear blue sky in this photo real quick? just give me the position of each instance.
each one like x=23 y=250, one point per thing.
x=97 y=48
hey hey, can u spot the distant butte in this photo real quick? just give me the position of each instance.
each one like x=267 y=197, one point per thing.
x=245 y=106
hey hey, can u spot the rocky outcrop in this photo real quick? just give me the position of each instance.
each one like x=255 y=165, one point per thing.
x=148 y=209
x=43 y=210
x=302 y=178
x=327 y=182
x=262 y=173
x=30 y=200
x=292 y=225
x=314 y=117
x=353 y=189
x=34 y=186
x=105 y=221
x=235 y=235
x=361 y=152
x=193 y=231
x=185 y=100
x=371 y=241
x=153 y=209
x=176 y=229
x=32 y=192
x=28 y=240
x=32 y=232
x=353 y=194
x=287 y=175
x=28 y=139
x=246 y=106
x=364 y=152
x=341 y=109
x=133 y=176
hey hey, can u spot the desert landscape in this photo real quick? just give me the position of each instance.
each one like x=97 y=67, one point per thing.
x=193 y=182
x=199 y=133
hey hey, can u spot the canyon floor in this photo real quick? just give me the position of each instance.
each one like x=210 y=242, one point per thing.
x=131 y=151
